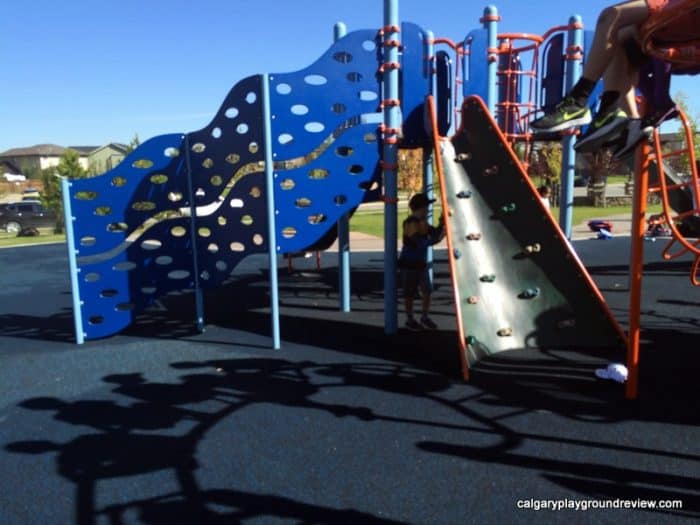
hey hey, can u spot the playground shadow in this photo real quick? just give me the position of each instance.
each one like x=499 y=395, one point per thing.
x=140 y=432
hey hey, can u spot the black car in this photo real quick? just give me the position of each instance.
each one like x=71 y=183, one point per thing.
x=16 y=216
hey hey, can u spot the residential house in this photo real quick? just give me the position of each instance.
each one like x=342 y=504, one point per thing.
x=42 y=156
x=106 y=157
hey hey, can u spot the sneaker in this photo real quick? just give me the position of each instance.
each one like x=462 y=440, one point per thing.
x=413 y=325
x=566 y=115
x=428 y=323
x=638 y=130
x=603 y=129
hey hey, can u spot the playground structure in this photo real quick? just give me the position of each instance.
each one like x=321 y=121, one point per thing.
x=289 y=157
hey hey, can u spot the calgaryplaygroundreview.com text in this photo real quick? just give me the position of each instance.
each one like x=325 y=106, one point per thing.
x=593 y=504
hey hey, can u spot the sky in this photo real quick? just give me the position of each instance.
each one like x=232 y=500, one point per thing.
x=82 y=72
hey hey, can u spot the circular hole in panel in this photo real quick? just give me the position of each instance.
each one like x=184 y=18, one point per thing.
x=88 y=240
x=178 y=231
x=318 y=174
x=237 y=247
x=302 y=202
x=216 y=180
x=283 y=89
x=159 y=178
x=285 y=138
x=174 y=196
x=315 y=80
x=199 y=192
x=253 y=147
x=368 y=45
x=148 y=290
x=289 y=232
x=118 y=182
x=171 y=152
x=142 y=163
x=344 y=151
x=368 y=185
x=255 y=192
x=221 y=220
x=207 y=163
x=299 y=109
x=205 y=275
x=86 y=195
x=246 y=220
x=339 y=200
x=242 y=128
x=124 y=266
x=231 y=112
x=342 y=57
x=216 y=133
x=151 y=244
x=92 y=277
x=213 y=248
x=96 y=319
x=257 y=239
x=143 y=206
x=314 y=127
x=178 y=274
x=204 y=232
x=354 y=76
x=221 y=266
x=338 y=108
x=368 y=96
x=317 y=218
x=110 y=292
x=233 y=158
x=124 y=307
x=236 y=203
x=356 y=169
x=287 y=184
x=251 y=97
x=103 y=211
x=117 y=227
x=370 y=137
x=199 y=147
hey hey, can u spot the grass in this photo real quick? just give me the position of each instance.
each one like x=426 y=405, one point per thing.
x=46 y=235
x=372 y=223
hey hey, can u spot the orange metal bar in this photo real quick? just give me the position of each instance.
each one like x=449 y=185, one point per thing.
x=641 y=185
x=461 y=341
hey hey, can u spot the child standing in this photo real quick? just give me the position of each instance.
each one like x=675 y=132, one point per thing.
x=418 y=235
x=545 y=194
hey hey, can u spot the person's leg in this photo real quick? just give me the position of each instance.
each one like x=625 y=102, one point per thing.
x=426 y=290
x=410 y=287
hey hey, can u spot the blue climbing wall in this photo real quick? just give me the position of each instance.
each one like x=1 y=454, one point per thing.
x=325 y=139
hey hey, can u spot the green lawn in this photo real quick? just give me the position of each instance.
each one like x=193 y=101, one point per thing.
x=47 y=235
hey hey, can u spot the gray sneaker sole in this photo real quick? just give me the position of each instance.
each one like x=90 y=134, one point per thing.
x=577 y=122
x=605 y=134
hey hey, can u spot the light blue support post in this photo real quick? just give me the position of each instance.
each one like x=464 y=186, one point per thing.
x=72 y=262
x=271 y=215
x=427 y=158
x=339 y=31
x=490 y=21
x=199 y=300
x=392 y=122
x=568 y=158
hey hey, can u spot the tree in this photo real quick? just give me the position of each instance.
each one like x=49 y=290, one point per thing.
x=135 y=143
x=682 y=163
x=410 y=173
x=68 y=167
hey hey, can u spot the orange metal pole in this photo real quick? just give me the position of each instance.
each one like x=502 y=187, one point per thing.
x=450 y=245
x=641 y=186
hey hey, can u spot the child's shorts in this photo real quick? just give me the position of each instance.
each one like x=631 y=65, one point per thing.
x=414 y=280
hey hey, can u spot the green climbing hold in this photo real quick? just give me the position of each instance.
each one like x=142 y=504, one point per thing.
x=487 y=278
x=508 y=208
x=471 y=340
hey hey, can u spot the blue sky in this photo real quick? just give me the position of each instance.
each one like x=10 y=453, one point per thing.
x=89 y=72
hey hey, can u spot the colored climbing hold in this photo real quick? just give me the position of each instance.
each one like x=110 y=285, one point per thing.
x=487 y=278
x=472 y=299
x=505 y=332
x=508 y=208
x=530 y=293
x=457 y=254
x=493 y=170
x=464 y=194
x=461 y=157
x=471 y=340
x=474 y=237
x=533 y=248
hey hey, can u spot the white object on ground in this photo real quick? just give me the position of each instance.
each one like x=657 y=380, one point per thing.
x=615 y=371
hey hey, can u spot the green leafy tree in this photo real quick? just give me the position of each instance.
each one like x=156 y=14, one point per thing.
x=682 y=163
x=133 y=144
x=68 y=167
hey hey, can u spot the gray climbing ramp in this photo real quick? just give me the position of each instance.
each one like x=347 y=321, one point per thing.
x=519 y=282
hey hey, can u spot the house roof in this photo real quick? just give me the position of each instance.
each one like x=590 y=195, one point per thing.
x=118 y=146
x=83 y=150
x=41 y=150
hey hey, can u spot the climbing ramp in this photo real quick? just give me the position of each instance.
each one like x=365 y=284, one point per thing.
x=182 y=210
x=518 y=282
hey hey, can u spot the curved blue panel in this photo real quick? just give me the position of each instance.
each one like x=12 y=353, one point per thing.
x=475 y=81
x=416 y=84
x=324 y=139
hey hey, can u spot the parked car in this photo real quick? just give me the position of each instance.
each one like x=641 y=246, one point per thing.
x=16 y=216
